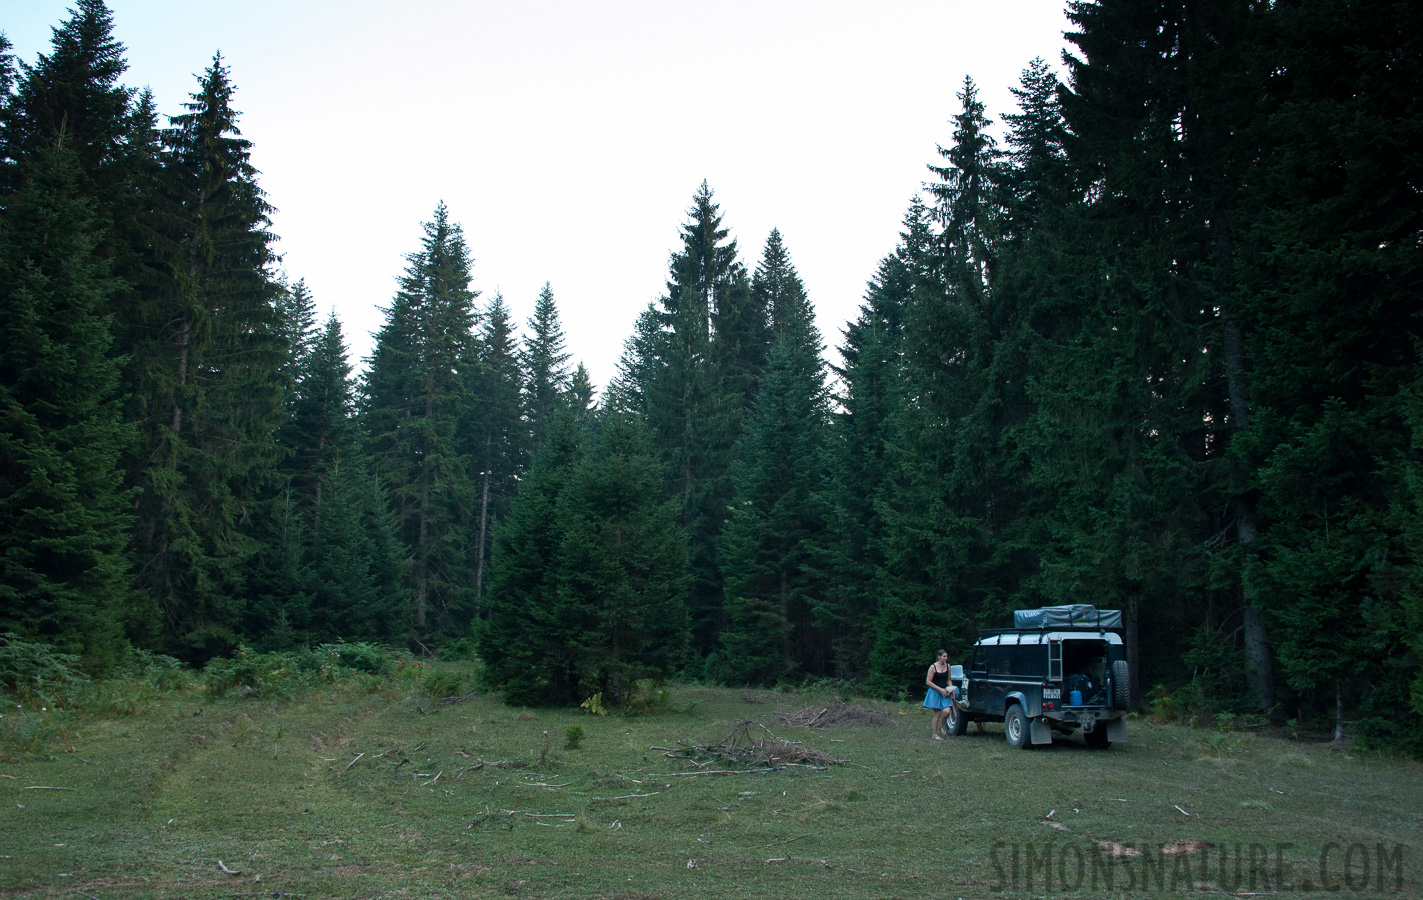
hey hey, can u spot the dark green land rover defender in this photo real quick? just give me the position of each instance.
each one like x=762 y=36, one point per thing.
x=1060 y=669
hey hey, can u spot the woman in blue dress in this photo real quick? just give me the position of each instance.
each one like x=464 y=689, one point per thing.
x=939 y=698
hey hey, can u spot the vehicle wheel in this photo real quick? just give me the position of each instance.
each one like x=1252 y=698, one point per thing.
x=956 y=724
x=1121 y=685
x=1097 y=737
x=1015 y=728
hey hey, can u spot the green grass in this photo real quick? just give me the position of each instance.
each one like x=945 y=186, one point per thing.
x=163 y=792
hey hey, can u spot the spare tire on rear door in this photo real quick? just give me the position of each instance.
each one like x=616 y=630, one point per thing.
x=1121 y=685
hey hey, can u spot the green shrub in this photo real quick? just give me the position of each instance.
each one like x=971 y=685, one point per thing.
x=647 y=696
x=362 y=656
x=32 y=665
x=441 y=681
x=573 y=737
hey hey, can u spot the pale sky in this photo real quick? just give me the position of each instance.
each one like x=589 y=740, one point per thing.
x=567 y=138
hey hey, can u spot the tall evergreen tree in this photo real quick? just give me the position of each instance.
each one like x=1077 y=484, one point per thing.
x=1327 y=248
x=498 y=434
x=775 y=544
x=639 y=362
x=64 y=572
x=520 y=640
x=870 y=391
x=694 y=386
x=416 y=395
x=590 y=568
x=622 y=567
x=937 y=503
x=581 y=392
x=211 y=379
x=299 y=332
x=546 y=364
x=73 y=91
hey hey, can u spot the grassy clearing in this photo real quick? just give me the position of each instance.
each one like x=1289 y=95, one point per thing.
x=361 y=790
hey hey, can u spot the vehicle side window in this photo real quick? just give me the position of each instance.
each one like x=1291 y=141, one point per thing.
x=999 y=661
x=980 y=660
x=1032 y=661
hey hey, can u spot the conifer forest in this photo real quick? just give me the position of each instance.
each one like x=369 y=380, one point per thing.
x=1148 y=341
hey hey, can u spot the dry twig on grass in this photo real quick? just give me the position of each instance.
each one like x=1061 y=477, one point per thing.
x=838 y=715
x=743 y=753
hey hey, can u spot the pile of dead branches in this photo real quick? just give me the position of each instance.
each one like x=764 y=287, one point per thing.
x=840 y=715
x=751 y=748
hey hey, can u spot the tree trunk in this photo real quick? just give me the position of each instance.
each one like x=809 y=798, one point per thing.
x=483 y=526
x=1338 y=711
x=1260 y=676
x=181 y=379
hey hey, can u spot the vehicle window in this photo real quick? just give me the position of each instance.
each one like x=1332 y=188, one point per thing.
x=999 y=661
x=980 y=660
x=1031 y=661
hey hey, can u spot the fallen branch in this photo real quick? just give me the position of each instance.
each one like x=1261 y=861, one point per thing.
x=354 y=761
x=81 y=759
x=433 y=780
x=226 y=870
x=36 y=787
x=788 y=840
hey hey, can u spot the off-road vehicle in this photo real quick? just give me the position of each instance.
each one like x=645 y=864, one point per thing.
x=1060 y=669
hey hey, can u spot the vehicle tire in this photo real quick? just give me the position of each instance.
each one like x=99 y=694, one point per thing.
x=957 y=723
x=1015 y=728
x=1121 y=685
x=1097 y=737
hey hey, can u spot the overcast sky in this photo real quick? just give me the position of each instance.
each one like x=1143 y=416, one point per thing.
x=568 y=138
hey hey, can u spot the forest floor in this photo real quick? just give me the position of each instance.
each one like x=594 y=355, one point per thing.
x=396 y=794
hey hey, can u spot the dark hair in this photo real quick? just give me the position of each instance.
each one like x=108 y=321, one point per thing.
x=942 y=652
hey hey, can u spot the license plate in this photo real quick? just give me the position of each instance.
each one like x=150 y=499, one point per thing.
x=1052 y=693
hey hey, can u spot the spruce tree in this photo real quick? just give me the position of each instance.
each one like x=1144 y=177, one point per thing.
x=416 y=397
x=1328 y=255
x=299 y=333
x=64 y=573
x=871 y=390
x=499 y=438
x=581 y=392
x=694 y=383
x=775 y=544
x=621 y=567
x=937 y=505
x=545 y=365
x=522 y=636
x=210 y=379
x=73 y=91
x=331 y=567
x=589 y=571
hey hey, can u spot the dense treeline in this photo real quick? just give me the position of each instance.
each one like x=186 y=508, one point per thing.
x=1148 y=341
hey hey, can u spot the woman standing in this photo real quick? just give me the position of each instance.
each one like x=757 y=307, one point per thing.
x=940 y=696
